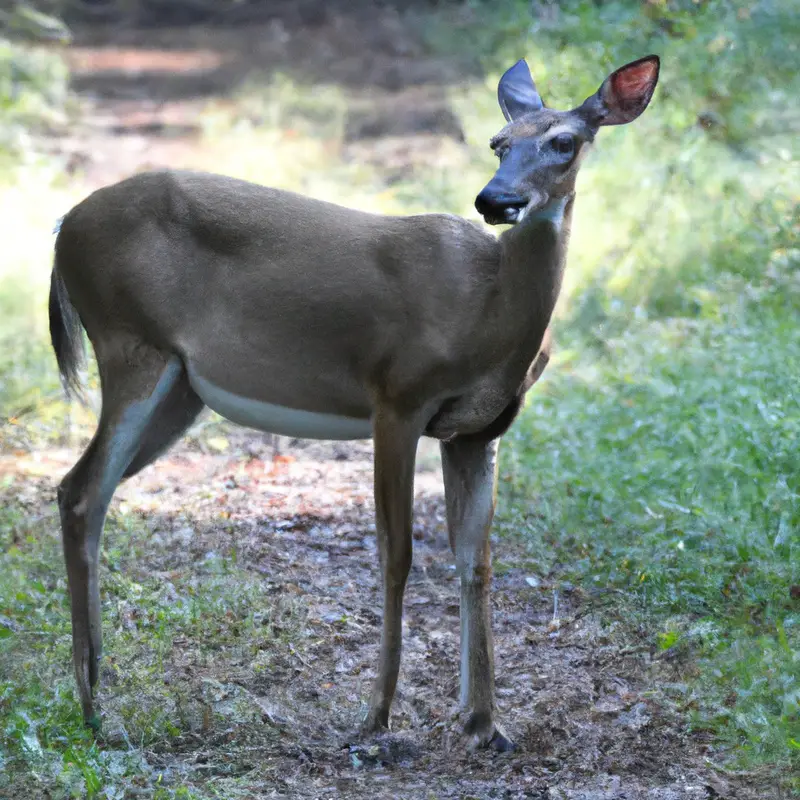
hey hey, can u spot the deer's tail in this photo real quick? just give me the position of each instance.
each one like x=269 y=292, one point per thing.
x=66 y=335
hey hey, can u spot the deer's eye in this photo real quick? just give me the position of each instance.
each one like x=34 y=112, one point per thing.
x=564 y=144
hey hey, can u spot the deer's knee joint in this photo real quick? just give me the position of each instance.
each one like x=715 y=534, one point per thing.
x=75 y=508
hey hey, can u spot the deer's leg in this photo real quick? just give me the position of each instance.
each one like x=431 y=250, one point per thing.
x=395 y=452
x=178 y=410
x=133 y=396
x=470 y=483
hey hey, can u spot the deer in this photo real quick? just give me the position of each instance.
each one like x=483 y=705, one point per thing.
x=304 y=318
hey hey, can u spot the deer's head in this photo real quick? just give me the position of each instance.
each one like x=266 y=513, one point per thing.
x=540 y=149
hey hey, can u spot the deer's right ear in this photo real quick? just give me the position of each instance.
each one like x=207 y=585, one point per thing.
x=517 y=93
x=624 y=94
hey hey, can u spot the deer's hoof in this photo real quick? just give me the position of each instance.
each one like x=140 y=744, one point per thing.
x=376 y=721
x=92 y=720
x=483 y=732
x=91 y=715
x=500 y=742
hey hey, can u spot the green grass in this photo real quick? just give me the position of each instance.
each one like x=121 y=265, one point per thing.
x=215 y=606
x=667 y=465
x=32 y=198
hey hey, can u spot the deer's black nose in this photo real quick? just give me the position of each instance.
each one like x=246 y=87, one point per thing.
x=491 y=202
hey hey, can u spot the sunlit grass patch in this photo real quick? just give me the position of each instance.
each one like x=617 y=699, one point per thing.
x=29 y=209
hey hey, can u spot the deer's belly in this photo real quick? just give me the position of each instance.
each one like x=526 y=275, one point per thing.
x=273 y=418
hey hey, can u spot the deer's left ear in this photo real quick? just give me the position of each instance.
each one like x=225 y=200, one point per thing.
x=624 y=94
x=517 y=93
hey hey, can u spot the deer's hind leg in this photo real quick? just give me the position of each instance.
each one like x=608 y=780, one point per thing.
x=138 y=420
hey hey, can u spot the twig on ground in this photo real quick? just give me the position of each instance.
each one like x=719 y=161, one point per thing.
x=299 y=657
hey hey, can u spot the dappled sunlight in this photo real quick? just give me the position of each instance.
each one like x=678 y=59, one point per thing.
x=29 y=211
x=93 y=60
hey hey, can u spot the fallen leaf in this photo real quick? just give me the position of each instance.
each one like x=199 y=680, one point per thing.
x=218 y=443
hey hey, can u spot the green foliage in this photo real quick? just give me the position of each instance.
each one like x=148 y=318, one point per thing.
x=20 y=20
x=32 y=95
x=668 y=466
x=26 y=370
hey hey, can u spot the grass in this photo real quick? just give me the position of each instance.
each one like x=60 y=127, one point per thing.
x=659 y=458
x=151 y=620
x=667 y=467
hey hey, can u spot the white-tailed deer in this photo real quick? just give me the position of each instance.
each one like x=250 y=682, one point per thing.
x=307 y=319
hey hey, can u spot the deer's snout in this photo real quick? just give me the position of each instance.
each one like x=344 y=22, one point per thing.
x=493 y=202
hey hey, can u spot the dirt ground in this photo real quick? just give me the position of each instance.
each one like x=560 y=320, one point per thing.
x=584 y=701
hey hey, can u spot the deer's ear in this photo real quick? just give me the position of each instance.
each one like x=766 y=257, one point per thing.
x=625 y=93
x=517 y=93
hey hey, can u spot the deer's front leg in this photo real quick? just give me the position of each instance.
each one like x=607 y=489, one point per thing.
x=395 y=450
x=470 y=484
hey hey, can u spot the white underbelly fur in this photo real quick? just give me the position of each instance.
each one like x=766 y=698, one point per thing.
x=278 y=419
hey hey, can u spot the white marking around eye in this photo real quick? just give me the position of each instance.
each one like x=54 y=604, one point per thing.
x=556 y=129
x=278 y=419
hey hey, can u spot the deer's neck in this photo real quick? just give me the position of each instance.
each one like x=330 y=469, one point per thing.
x=533 y=257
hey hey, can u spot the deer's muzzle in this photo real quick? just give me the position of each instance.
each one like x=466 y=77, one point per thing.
x=498 y=206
